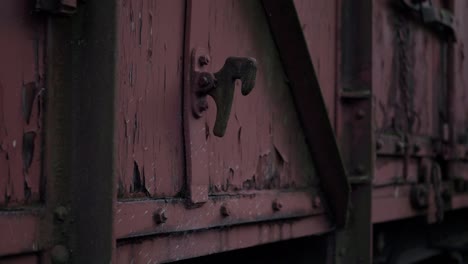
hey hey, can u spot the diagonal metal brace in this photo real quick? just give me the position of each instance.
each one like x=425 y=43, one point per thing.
x=292 y=46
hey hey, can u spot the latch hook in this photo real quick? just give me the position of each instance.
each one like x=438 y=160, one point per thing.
x=220 y=86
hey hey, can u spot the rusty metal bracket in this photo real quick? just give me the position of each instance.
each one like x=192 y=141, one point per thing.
x=220 y=85
x=292 y=46
x=58 y=7
x=440 y=20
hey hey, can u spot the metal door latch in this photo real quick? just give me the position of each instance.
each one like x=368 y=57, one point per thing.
x=440 y=20
x=220 y=85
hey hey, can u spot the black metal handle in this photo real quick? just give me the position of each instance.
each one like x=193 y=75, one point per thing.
x=220 y=86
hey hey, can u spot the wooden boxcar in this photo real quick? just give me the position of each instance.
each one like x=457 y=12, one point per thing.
x=124 y=137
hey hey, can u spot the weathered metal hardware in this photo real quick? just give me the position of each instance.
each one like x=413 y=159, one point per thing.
x=160 y=216
x=438 y=19
x=60 y=7
x=220 y=86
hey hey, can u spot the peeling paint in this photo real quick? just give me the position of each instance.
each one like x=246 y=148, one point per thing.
x=21 y=106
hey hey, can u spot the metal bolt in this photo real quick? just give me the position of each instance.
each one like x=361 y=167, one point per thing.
x=160 y=216
x=225 y=212
x=204 y=81
x=277 y=205
x=203 y=60
x=60 y=213
x=317 y=202
x=360 y=114
x=59 y=254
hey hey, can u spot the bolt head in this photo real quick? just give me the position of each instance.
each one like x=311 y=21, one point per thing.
x=160 y=216
x=60 y=213
x=59 y=254
x=204 y=81
x=225 y=211
x=317 y=202
x=203 y=60
x=277 y=205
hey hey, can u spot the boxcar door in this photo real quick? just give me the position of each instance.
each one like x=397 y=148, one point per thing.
x=411 y=84
x=211 y=155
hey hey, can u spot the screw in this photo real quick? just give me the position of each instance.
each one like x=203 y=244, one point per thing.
x=225 y=212
x=203 y=60
x=60 y=213
x=277 y=205
x=59 y=254
x=360 y=114
x=160 y=216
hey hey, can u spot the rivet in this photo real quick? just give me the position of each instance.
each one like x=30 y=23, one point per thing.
x=203 y=81
x=203 y=60
x=59 y=254
x=360 y=114
x=160 y=216
x=225 y=212
x=317 y=202
x=277 y=205
x=60 y=213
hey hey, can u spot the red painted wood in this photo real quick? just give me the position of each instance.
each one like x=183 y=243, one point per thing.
x=319 y=22
x=195 y=129
x=189 y=245
x=149 y=139
x=264 y=146
x=136 y=218
x=19 y=232
x=409 y=86
x=21 y=95
x=262 y=159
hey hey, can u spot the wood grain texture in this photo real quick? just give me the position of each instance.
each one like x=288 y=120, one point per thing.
x=319 y=20
x=21 y=108
x=264 y=146
x=149 y=102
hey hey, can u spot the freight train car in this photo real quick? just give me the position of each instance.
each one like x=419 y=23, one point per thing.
x=227 y=131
